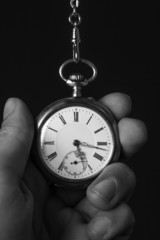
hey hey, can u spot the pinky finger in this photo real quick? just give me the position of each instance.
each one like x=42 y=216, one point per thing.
x=115 y=224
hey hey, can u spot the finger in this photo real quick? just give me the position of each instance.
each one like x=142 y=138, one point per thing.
x=107 y=225
x=86 y=209
x=132 y=134
x=52 y=214
x=70 y=197
x=33 y=178
x=119 y=104
x=15 y=139
x=114 y=184
x=67 y=218
x=74 y=228
x=38 y=186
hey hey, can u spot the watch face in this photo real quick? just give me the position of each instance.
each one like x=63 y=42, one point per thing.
x=76 y=143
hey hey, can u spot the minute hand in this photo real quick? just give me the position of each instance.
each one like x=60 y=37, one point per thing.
x=83 y=144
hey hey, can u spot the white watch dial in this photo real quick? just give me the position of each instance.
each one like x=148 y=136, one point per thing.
x=76 y=143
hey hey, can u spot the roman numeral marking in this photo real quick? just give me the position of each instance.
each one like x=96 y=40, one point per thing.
x=89 y=119
x=102 y=143
x=99 y=157
x=98 y=130
x=62 y=119
x=52 y=156
x=49 y=143
x=76 y=116
x=90 y=168
x=52 y=129
x=60 y=168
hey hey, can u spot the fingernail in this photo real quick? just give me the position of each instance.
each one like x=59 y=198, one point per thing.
x=9 y=107
x=106 y=189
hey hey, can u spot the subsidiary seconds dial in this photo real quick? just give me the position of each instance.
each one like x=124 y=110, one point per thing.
x=76 y=143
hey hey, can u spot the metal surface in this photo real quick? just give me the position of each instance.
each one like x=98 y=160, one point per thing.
x=50 y=111
x=75 y=20
x=77 y=80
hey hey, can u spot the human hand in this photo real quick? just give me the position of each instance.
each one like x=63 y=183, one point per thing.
x=30 y=209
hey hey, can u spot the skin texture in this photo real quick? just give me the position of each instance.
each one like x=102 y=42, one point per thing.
x=30 y=209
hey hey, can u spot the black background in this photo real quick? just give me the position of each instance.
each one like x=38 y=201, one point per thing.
x=122 y=39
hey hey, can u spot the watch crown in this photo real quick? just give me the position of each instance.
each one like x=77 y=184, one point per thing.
x=76 y=81
x=76 y=77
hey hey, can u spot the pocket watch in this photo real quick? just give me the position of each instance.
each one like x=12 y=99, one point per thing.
x=76 y=137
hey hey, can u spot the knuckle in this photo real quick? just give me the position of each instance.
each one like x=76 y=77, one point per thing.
x=14 y=132
x=127 y=174
x=122 y=184
x=128 y=215
x=14 y=141
x=130 y=173
x=142 y=131
x=101 y=226
x=108 y=225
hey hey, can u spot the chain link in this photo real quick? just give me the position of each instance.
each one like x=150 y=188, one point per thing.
x=76 y=80
x=75 y=20
x=74 y=4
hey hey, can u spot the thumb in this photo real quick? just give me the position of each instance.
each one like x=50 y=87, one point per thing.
x=15 y=140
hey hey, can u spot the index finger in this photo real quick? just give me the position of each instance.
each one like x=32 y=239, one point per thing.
x=119 y=103
x=132 y=132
